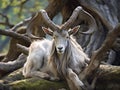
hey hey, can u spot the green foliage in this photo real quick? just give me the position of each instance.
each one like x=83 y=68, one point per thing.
x=18 y=10
x=4 y=3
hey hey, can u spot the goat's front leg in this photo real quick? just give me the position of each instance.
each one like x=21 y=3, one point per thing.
x=29 y=70
x=73 y=78
x=40 y=75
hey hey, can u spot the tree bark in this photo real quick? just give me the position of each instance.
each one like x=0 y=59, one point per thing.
x=19 y=37
x=98 y=55
x=10 y=66
x=109 y=78
x=15 y=36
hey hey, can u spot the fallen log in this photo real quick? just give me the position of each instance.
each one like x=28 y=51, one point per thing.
x=108 y=79
x=7 y=67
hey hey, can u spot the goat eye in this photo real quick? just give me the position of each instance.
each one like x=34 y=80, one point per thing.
x=67 y=37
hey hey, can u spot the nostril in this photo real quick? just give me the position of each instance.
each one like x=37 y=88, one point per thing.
x=60 y=48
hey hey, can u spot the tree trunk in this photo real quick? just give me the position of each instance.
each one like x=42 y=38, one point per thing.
x=106 y=14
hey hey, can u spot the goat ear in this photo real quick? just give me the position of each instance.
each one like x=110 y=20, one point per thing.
x=47 y=31
x=74 y=30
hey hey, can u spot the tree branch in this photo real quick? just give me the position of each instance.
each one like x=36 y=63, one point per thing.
x=6 y=21
x=22 y=23
x=15 y=35
x=20 y=29
x=12 y=65
x=98 y=54
x=23 y=49
x=21 y=6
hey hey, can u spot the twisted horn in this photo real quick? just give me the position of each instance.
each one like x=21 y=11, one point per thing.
x=44 y=18
x=77 y=16
x=72 y=18
x=48 y=21
x=90 y=20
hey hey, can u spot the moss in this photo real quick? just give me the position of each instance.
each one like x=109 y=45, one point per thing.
x=37 y=84
x=110 y=73
x=14 y=76
x=109 y=78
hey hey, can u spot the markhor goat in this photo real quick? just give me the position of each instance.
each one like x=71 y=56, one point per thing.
x=62 y=56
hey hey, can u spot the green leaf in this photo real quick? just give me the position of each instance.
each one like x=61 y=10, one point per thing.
x=5 y=3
